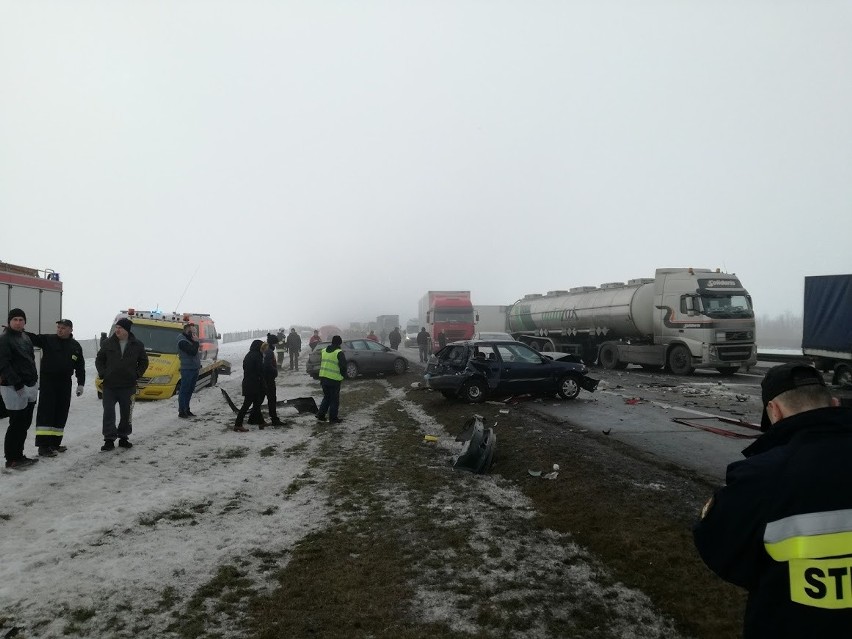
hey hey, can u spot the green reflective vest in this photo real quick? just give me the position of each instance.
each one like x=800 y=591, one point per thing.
x=329 y=366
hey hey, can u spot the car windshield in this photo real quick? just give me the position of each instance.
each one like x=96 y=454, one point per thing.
x=157 y=339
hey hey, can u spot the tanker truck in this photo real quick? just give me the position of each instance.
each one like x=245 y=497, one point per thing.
x=681 y=319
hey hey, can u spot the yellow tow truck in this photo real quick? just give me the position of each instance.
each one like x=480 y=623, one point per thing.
x=159 y=332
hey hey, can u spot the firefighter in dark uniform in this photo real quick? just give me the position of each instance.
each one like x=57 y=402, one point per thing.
x=62 y=358
x=781 y=527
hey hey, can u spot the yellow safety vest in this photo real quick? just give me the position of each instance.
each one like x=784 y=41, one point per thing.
x=329 y=366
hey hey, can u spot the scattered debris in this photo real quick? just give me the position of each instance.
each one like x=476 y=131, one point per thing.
x=535 y=473
x=478 y=450
x=430 y=438
x=555 y=466
x=230 y=403
x=742 y=398
x=634 y=400
x=552 y=475
x=301 y=404
x=607 y=431
x=416 y=385
x=504 y=411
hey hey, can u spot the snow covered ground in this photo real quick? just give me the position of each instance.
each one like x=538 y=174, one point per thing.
x=110 y=531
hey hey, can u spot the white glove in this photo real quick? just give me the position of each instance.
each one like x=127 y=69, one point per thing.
x=79 y=389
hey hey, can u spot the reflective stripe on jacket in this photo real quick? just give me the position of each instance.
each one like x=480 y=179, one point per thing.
x=329 y=366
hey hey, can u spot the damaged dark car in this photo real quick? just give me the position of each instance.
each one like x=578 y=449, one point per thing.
x=476 y=370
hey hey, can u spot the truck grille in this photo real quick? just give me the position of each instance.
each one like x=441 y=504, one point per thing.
x=734 y=353
x=453 y=336
x=737 y=336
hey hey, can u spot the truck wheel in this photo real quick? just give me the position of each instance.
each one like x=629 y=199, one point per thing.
x=351 y=370
x=400 y=365
x=727 y=371
x=608 y=357
x=843 y=376
x=680 y=360
x=569 y=387
x=474 y=392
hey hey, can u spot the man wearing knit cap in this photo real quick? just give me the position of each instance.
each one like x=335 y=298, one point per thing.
x=121 y=361
x=781 y=527
x=19 y=387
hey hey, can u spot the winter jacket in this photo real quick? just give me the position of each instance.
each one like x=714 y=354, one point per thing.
x=422 y=338
x=294 y=343
x=121 y=370
x=315 y=339
x=253 y=380
x=60 y=357
x=394 y=338
x=270 y=366
x=782 y=512
x=188 y=352
x=17 y=360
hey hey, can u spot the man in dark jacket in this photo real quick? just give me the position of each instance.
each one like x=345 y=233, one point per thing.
x=61 y=358
x=395 y=337
x=781 y=527
x=331 y=374
x=190 y=363
x=294 y=347
x=423 y=344
x=254 y=385
x=121 y=361
x=270 y=372
x=18 y=387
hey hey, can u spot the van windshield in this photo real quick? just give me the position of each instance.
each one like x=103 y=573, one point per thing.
x=157 y=339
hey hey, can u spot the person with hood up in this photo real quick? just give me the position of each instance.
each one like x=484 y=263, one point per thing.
x=19 y=387
x=270 y=372
x=61 y=359
x=190 y=363
x=121 y=361
x=254 y=385
x=331 y=374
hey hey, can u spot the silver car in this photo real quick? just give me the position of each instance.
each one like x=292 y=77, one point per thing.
x=363 y=356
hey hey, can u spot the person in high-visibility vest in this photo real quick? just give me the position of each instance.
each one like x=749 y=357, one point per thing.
x=331 y=374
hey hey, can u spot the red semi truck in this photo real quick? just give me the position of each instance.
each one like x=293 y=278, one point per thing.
x=448 y=311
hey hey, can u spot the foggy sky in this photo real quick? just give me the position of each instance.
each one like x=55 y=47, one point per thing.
x=326 y=162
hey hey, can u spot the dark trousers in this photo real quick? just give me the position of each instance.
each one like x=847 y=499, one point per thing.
x=54 y=400
x=424 y=352
x=272 y=398
x=187 y=387
x=294 y=360
x=330 y=397
x=124 y=397
x=16 y=432
x=253 y=402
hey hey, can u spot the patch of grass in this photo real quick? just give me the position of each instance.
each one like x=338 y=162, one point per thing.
x=269 y=451
x=220 y=599
x=232 y=453
x=178 y=513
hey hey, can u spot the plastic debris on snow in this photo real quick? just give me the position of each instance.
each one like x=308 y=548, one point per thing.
x=551 y=475
x=634 y=400
x=504 y=411
x=430 y=438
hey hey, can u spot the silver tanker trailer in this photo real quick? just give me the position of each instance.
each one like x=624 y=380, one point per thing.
x=683 y=319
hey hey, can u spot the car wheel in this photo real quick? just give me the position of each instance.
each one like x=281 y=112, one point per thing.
x=351 y=370
x=400 y=365
x=474 y=392
x=569 y=387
